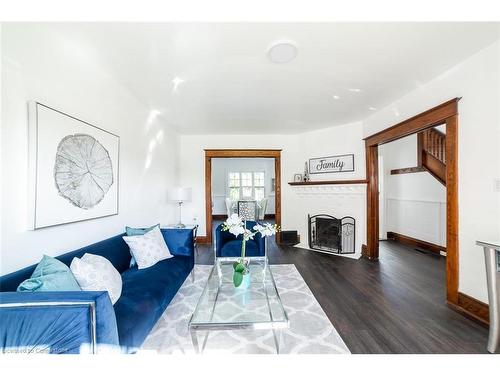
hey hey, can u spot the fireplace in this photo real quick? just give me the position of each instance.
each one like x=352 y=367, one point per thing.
x=332 y=235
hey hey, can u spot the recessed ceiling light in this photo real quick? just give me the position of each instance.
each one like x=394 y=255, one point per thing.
x=372 y=108
x=282 y=51
x=355 y=90
x=336 y=97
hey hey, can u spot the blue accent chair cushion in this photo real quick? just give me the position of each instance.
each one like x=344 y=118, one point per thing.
x=138 y=232
x=49 y=326
x=227 y=245
x=145 y=296
x=50 y=275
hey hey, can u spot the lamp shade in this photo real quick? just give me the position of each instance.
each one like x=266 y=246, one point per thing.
x=179 y=194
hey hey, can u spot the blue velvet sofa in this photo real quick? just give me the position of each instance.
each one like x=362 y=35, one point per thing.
x=227 y=245
x=75 y=322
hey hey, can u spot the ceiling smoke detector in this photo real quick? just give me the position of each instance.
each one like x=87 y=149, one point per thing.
x=282 y=52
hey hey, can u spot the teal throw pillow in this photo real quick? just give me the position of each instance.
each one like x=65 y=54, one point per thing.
x=138 y=232
x=50 y=275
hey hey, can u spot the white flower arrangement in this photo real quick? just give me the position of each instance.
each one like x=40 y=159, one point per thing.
x=237 y=226
x=266 y=230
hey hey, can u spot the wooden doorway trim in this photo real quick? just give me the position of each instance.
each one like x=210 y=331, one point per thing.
x=446 y=113
x=240 y=153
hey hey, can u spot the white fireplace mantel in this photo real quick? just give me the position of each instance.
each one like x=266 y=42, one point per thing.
x=330 y=189
x=337 y=200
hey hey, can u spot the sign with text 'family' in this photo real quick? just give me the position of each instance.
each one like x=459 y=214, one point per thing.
x=332 y=164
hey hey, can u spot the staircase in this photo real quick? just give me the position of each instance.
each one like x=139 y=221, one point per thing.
x=431 y=153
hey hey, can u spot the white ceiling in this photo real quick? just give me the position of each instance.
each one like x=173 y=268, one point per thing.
x=226 y=84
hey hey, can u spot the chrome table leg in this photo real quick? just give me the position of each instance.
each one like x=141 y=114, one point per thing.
x=194 y=340
x=493 y=276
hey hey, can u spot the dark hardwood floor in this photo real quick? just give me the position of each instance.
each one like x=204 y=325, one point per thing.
x=395 y=305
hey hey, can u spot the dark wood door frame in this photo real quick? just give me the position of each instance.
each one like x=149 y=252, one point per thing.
x=446 y=113
x=240 y=153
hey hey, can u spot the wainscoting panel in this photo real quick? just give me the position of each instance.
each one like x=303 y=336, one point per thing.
x=423 y=220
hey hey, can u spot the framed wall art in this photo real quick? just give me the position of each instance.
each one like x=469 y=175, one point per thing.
x=332 y=164
x=73 y=168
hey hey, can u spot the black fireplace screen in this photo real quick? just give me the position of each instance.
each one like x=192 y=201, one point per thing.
x=327 y=233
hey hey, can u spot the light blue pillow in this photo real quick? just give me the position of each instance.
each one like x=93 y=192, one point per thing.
x=138 y=232
x=50 y=275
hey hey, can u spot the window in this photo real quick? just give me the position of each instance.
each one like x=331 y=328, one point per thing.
x=246 y=185
x=258 y=185
x=234 y=186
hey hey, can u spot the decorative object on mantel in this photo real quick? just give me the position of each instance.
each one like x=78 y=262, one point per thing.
x=73 y=168
x=332 y=164
x=306 y=172
x=236 y=225
x=297 y=177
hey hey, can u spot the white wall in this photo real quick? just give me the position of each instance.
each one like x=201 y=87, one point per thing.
x=47 y=67
x=1 y=136
x=477 y=81
x=415 y=203
x=220 y=170
x=296 y=150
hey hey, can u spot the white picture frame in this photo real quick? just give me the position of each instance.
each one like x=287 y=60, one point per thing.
x=73 y=169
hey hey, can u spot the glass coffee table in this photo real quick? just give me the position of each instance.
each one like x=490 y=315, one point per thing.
x=224 y=307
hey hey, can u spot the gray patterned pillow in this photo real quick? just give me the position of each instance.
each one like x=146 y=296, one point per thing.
x=148 y=249
x=96 y=273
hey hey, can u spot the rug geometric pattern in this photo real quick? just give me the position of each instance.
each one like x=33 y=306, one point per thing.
x=310 y=332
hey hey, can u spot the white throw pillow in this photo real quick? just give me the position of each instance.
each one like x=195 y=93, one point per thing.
x=96 y=273
x=149 y=248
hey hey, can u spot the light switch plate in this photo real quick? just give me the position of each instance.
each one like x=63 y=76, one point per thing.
x=497 y=185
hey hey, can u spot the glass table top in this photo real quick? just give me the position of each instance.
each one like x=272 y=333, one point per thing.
x=222 y=306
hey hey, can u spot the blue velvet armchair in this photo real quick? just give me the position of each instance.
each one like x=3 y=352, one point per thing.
x=227 y=245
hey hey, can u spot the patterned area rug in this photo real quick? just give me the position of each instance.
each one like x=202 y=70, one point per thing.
x=310 y=330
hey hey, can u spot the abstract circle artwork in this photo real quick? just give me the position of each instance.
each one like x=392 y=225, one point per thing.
x=83 y=171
